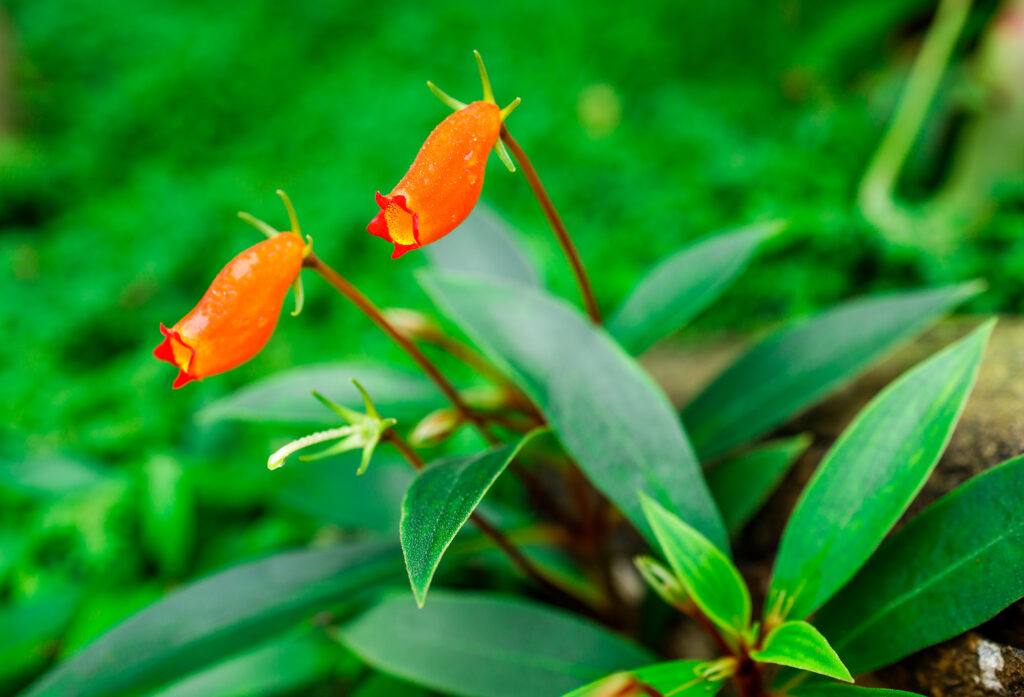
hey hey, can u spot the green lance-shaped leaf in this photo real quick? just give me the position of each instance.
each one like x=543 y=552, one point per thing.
x=706 y=574
x=799 y=645
x=951 y=568
x=216 y=617
x=486 y=246
x=680 y=287
x=439 y=502
x=282 y=666
x=742 y=484
x=284 y=397
x=804 y=361
x=604 y=408
x=840 y=690
x=482 y=645
x=870 y=476
x=676 y=678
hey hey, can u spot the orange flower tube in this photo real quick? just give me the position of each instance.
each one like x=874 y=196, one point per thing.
x=236 y=316
x=444 y=182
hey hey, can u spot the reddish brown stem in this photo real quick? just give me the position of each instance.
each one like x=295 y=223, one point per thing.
x=748 y=680
x=555 y=220
x=366 y=306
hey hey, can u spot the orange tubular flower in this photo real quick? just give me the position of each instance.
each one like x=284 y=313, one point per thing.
x=444 y=182
x=236 y=316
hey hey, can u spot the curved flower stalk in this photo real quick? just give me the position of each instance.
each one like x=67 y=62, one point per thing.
x=444 y=182
x=236 y=316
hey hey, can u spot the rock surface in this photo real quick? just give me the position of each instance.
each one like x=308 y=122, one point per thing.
x=988 y=661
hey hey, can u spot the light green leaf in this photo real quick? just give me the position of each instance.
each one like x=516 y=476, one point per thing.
x=168 y=514
x=52 y=477
x=485 y=246
x=440 y=501
x=741 y=485
x=951 y=568
x=283 y=666
x=707 y=575
x=479 y=645
x=285 y=397
x=840 y=690
x=681 y=286
x=208 y=620
x=678 y=678
x=870 y=476
x=804 y=361
x=604 y=408
x=799 y=645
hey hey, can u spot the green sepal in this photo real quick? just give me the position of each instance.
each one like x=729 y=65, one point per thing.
x=364 y=431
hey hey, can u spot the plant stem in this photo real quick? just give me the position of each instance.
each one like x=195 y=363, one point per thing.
x=366 y=306
x=517 y=558
x=747 y=679
x=555 y=220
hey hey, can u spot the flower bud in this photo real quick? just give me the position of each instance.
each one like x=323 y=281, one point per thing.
x=413 y=325
x=436 y=427
x=238 y=313
x=444 y=182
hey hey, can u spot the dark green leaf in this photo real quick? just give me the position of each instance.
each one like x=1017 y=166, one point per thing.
x=283 y=666
x=31 y=630
x=605 y=409
x=439 y=502
x=951 y=568
x=678 y=678
x=216 y=617
x=804 y=361
x=378 y=685
x=799 y=645
x=484 y=245
x=477 y=645
x=707 y=575
x=742 y=484
x=330 y=491
x=681 y=286
x=840 y=690
x=871 y=475
x=287 y=396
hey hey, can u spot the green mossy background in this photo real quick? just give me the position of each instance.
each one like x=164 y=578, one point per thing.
x=141 y=128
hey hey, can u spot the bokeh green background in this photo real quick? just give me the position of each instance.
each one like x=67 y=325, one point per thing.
x=138 y=129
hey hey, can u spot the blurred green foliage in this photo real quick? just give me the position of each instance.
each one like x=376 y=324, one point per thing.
x=139 y=129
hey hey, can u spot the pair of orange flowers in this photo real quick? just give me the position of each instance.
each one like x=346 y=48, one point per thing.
x=236 y=316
